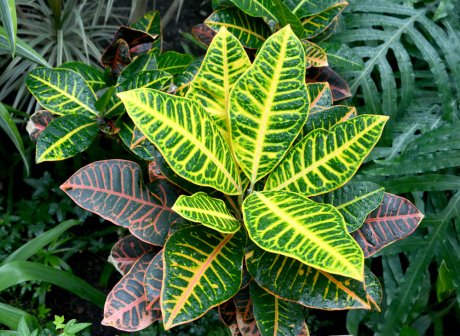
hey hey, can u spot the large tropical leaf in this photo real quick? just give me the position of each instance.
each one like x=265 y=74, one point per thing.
x=113 y=189
x=269 y=105
x=327 y=117
x=244 y=313
x=186 y=136
x=202 y=269
x=323 y=161
x=313 y=233
x=92 y=76
x=224 y=63
x=174 y=62
x=153 y=281
x=62 y=91
x=395 y=219
x=126 y=252
x=208 y=211
x=314 y=55
x=135 y=140
x=150 y=23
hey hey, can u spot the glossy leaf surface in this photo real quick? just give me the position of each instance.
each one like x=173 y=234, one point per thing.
x=113 y=189
x=320 y=97
x=313 y=233
x=135 y=140
x=202 y=269
x=339 y=87
x=244 y=313
x=153 y=281
x=62 y=91
x=125 y=307
x=208 y=211
x=227 y=314
x=65 y=137
x=186 y=136
x=145 y=62
x=183 y=80
x=174 y=62
x=327 y=117
x=395 y=219
x=203 y=33
x=303 y=8
x=224 y=63
x=92 y=76
x=126 y=252
x=314 y=54
x=269 y=105
x=317 y=23
x=323 y=161
x=150 y=23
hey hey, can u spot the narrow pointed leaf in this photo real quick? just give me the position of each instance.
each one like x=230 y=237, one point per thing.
x=275 y=316
x=313 y=233
x=355 y=201
x=250 y=31
x=37 y=123
x=314 y=54
x=125 y=307
x=62 y=91
x=318 y=23
x=292 y=280
x=323 y=161
x=327 y=117
x=395 y=219
x=339 y=87
x=269 y=105
x=153 y=281
x=92 y=76
x=150 y=23
x=135 y=140
x=186 y=136
x=142 y=63
x=113 y=189
x=65 y=137
x=174 y=62
x=210 y=212
x=202 y=269
x=320 y=96
x=126 y=252
x=224 y=63
x=9 y=22
x=244 y=313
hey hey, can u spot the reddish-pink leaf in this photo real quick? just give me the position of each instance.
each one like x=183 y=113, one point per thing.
x=125 y=307
x=152 y=282
x=244 y=313
x=113 y=189
x=155 y=172
x=339 y=87
x=127 y=251
x=395 y=219
x=203 y=33
x=227 y=314
x=38 y=122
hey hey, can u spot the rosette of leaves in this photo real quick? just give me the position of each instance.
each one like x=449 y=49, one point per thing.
x=269 y=221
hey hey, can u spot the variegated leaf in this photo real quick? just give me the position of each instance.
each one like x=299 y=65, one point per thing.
x=126 y=252
x=183 y=80
x=317 y=23
x=303 y=8
x=314 y=54
x=313 y=233
x=224 y=63
x=227 y=314
x=65 y=137
x=62 y=91
x=203 y=34
x=135 y=141
x=395 y=219
x=113 y=189
x=323 y=161
x=327 y=117
x=202 y=269
x=210 y=212
x=244 y=313
x=186 y=136
x=320 y=96
x=275 y=316
x=174 y=62
x=339 y=87
x=150 y=23
x=146 y=62
x=92 y=76
x=153 y=281
x=269 y=105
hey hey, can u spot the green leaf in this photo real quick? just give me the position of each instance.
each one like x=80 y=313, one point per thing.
x=65 y=137
x=224 y=63
x=269 y=105
x=251 y=32
x=184 y=80
x=320 y=96
x=126 y=252
x=150 y=23
x=314 y=54
x=92 y=76
x=10 y=316
x=72 y=327
x=318 y=23
x=135 y=141
x=339 y=87
x=186 y=136
x=275 y=316
x=355 y=201
x=23 y=328
x=174 y=62
x=335 y=159
x=142 y=63
x=325 y=118
x=9 y=127
x=9 y=21
x=208 y=211
x=313 y=233
x=202 y=269
x=62 y=91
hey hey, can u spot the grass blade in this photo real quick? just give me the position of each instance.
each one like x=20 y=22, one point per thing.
x=8 y=14
x=10 y=316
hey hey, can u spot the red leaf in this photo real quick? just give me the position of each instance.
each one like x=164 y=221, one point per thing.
x=113 y=189
x=227 y=314
x=244 y=314
x=339 y=87
x=203 y=33
x=38 y=122
x=125 y=307
x=152 y=282
x=127 y=251
x=395 y=219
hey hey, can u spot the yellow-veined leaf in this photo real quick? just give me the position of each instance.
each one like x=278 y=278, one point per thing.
x=318 y=23
x=320 y=96
x=202 y=269
x=323 y=161
x=186 y=136
x=327 y=117
x=269 y=105
x=313 y=233
x=224 y=63
x=314 y=54
x=208 y=211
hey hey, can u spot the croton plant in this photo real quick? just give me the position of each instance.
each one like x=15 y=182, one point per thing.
x=250 y=205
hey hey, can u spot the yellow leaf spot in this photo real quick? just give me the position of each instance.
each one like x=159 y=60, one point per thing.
x=347 y=282
x=301 y=271
x=249 y=255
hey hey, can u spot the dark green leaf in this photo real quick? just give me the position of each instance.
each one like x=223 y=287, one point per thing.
x=174 y=62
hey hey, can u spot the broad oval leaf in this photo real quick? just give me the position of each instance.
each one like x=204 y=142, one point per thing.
x=275 y=316
x=313 y=233
x=250 y=31
x=323 y=161
x=62 y=91
x=153 y=281
x=269 y=105
x=92 y=76
x=244 y=313
x=202 y=269
x=174 y=62
x=224 y=63
x=126 y=252
x=113 y=189
x=186 y=136
x=125 y=307
x=395 y=219
x=355 y=201
x=65 y=137
x=292 y=280
x=208 y=211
